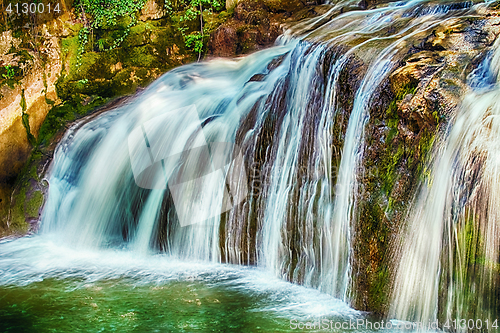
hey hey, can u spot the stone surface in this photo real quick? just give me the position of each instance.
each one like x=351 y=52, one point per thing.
x=413 y=105
x=255 y=25
x=153 y=10
x=30 y=91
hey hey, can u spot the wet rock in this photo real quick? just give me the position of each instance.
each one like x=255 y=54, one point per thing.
x=415 y=103
x=363 y=4
x=223 y=41
x=257 y=78
x=27 y=94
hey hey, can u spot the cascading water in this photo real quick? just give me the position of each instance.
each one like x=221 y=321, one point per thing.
x=449 y=263
x=301 y=144
x=83 y=212
x=303 y=220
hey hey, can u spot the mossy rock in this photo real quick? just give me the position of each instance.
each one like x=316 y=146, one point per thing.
x=150 y=48
x=27 y=200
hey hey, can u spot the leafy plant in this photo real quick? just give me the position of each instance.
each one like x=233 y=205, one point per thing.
x=99 y=14
x=195 y=8
x=9 y=72
x=82 y=82
x=195 y=41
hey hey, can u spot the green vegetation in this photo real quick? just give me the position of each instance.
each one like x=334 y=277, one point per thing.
x=62 y=114
x=27 y=197
x=121 y=15
x=11 y=75
x=195 y=8
x=398 y=152
x=101 y=14
x=389 y=183
x=469 y=264
x=106 y=13
x=8 y=76
x=9 y=72
x=108 y=51
x=395 y=152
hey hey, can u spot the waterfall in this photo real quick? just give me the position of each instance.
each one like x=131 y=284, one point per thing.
x=162 y=173
x=94 y=199
x=449 y=262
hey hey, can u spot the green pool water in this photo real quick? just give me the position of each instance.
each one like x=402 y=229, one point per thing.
x=120 y=305
x=46 y=287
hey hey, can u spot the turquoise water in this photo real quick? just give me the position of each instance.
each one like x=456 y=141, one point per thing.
x=120 y=305
x=46 y=287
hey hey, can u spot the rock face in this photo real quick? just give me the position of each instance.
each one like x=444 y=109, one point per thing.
x=408 y=112
x=150 y=49
x=255 y=25
x=27 y=93
x=33 y=95
x=153 y=10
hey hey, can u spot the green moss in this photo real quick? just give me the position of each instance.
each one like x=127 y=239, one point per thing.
x=375 y=235
x=389 y=168
x=27 y=198
x=395 y=151
x=103 y=71
x=17 y=222
x=392 y=121
x=391 y=116
x=378 y=288
x=65 y=113
x=140 y=34
x=23 y=206
x=33 y=204
x=151 y=47
x=90 y=62
x=141 y=56
x=214 y=20
x=424 y=147
x=23 y=101
x=470 y=266
x=389 y=172
x=69 y=46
